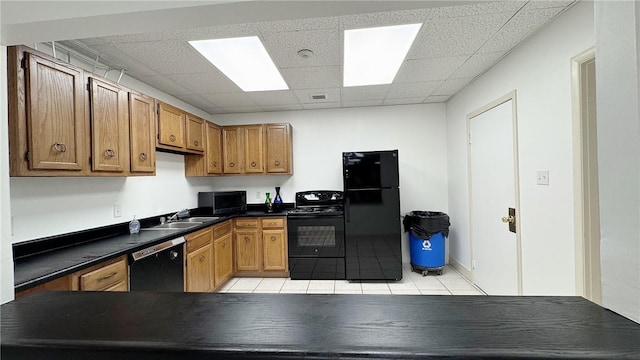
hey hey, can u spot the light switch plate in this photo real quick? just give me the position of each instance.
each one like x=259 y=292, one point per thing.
x=117 y=210
x=542 y=177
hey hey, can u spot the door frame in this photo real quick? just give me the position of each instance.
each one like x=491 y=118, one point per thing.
x=512 y=95
x=587 y=285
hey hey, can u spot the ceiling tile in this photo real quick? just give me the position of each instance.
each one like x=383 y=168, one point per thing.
x=242 y=109
x=428 y=69
x=280 y=97
x=451 y=87
x=216 y=32
x=304 y=95
x=282 y=107
x=321 y=23
x=134 y=67
x=312 y=77
x=164 y=84
x=230 y=100
x=196 y=100
x=214 y=110
x=329 y=105
x=167 y=57
x=477 y=64
x=360 y=93
x=456 y=36
x=384 y=18
x=362 y=103
x=405 y=101
x=516 y=30
x=437 y=99
x=144 y=37
x=540 y=4
x=411 y=90
x=283 y=48
x=210 y=82
x=493 y=7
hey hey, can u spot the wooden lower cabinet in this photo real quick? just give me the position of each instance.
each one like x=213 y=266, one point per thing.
x=222 y=253
x=199 y=261
x=59 y=284
x=261 y=247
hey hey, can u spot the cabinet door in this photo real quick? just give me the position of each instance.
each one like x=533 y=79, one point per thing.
x=223 y=254
x=248 y=255
x=200 y=270
x=143 y=133
x=253 y=151
x=274 y=250
x=195 y=131
x=278 y=148
x=109 y=127
x=170 y=126
x=214 y=149
x=232 y=149
x=55 y=115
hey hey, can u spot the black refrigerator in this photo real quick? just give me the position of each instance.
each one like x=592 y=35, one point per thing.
x=373 y=237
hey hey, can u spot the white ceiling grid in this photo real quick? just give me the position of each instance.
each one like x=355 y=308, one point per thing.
x=455 y=45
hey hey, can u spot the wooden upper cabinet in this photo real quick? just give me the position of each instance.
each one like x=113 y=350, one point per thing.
x=143 y=133
x=109 y=127
x=278 y=149
x=214 y=149
x=232 y=141
x=253 y=151
x=54 y=115
x=171 y=124
x=195 y=131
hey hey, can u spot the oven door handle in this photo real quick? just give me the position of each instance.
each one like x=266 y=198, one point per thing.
x=313 y=216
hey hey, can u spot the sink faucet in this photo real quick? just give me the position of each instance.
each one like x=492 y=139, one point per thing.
x=179 y=214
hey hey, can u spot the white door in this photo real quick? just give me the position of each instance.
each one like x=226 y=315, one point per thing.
x=493 y=192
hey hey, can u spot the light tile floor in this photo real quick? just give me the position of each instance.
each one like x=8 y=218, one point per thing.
x=450 y=282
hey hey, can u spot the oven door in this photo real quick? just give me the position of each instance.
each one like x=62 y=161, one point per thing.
x=315 y=236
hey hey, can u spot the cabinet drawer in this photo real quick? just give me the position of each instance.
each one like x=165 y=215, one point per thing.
x=199 y=239
x=246 y=223
x=273 y=223
x=121 y=286
x=222 y=229
x=104 y=277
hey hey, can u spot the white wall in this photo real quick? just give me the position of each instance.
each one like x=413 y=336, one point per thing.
x=320 y=137
x=539 y=70
x=618 y=111
x=6 y=254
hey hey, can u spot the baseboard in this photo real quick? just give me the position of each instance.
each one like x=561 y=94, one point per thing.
x=460 y=268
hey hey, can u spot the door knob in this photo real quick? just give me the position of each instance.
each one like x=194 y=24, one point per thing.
x=508 y=219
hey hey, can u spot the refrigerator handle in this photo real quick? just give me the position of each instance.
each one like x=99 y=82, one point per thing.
x=347 y=209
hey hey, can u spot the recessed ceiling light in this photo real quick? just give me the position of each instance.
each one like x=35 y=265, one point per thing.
x=373 y=56
x=243 y=60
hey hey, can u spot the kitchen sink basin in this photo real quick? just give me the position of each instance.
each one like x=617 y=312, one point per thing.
x=198 y=219
x=174 y=225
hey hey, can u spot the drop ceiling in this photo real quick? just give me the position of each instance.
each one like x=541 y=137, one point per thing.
x=455 y=45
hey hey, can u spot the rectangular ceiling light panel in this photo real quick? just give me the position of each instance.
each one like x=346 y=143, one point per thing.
x=373 y=56
x=243 y=60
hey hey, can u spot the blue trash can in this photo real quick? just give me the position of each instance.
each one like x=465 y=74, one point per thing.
x=427 y=253
x=427 y=235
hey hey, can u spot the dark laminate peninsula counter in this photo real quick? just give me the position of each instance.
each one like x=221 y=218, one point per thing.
x=140 y=325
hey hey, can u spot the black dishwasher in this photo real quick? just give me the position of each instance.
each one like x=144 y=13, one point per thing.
x=158 y=268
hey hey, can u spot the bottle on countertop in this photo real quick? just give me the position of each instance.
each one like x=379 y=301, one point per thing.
x=134 y=226
x=268 y=202
x=277 y=201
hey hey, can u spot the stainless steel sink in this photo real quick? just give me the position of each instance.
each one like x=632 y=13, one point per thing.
x=199 y=219
x=174 y=225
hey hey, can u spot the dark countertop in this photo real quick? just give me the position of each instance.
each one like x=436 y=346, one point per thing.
x=34 y=270
x=144 y=325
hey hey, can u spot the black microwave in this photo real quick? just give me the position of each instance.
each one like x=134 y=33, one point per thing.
x=223 y=202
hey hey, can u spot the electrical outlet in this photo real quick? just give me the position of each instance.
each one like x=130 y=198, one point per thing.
x=542 y=177
x=117 y=210
x=257 y=194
